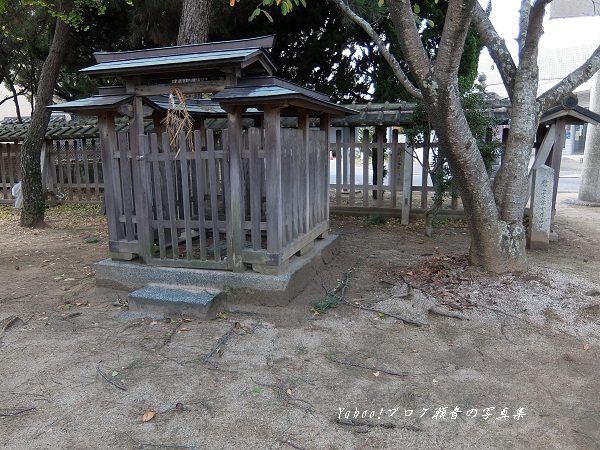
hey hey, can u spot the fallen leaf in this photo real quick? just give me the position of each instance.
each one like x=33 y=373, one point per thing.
x=567 y=357
x=380 y=314
x=257 y=390
x=376 y=373
x=223 y=315
x=114 y=373
x=148 y=416
x=587 y=346
x=289 y=392
x=183 y=329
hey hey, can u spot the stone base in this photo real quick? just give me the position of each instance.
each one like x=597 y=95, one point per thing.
x=245 y=287
x=167 y=301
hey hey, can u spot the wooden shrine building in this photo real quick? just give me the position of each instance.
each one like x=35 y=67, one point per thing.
x=551 y=136
x=248 y=196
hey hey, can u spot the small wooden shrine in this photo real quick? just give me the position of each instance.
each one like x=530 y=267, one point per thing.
x=551 y=136
x=250 y=195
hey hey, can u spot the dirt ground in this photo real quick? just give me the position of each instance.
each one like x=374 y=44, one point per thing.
x=479 y=362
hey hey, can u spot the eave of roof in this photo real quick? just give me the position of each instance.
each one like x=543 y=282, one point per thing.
x=576 y=115
x=268 y=90
x=93 y=104
x=258 y=42
x=183 y=62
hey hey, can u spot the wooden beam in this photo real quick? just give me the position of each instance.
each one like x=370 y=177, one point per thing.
x=407 y=184
x=542 y=154
x=325 y=125
x=557 y=150
x=235 y=213
x=273 y=172
x=303 y=124
x=140 y=178
x=192 y=87
x=108 y=145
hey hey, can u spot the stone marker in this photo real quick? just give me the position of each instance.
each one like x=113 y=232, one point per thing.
x=540 y=216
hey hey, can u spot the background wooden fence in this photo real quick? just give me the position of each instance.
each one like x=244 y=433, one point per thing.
x=71 y=170
x=372 y=173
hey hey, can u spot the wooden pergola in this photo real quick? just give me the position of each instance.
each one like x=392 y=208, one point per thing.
x=249 y=196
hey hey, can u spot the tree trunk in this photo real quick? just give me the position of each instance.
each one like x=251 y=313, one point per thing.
x=589 y=191
x=496 y=245
x=195 y=17
x=34 y=198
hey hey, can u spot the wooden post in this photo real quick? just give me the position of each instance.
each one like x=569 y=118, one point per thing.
x=339 y=137
x=393 y=166
x=108 y=144
x=352 y=154
x=303 y=125
x=235 y=213
x=325 y=125
x=273 y=158
x=140 y=180
x=424 y=172
x=407 y=186
x=542 y=153
x=366 y=155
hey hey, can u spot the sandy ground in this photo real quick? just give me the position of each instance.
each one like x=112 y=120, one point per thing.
x=479 y=361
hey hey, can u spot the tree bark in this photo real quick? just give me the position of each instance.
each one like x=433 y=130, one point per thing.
x=195 y=17
x=496 y=245
x=34 y=198
x=494 y=216
x=589 y=190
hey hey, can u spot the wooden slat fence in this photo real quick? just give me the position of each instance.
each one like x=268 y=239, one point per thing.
x=188 y=198
x=374 y=176
x=10 y=169
x=186 y=192
x=71 y=170
x=73 y=173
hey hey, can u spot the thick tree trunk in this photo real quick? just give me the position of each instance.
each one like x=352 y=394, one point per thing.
x=589 y=191
x=496 y=245
x=195 y=17
x=34 y=201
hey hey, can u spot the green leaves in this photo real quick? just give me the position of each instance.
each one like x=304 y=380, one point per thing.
x=285 y=6
x=75 y=17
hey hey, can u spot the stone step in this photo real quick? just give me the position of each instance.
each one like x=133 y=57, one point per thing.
x=172 y=301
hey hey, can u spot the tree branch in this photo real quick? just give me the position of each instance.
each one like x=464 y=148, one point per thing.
x=456 y=27
x=523 y=22
x=381 y=45
x=496 y=47
x=409 y=39
x=580 y=75
x=528 y=53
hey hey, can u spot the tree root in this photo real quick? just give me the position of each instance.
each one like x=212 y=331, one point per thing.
x=109 y=379
x=374 y=369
